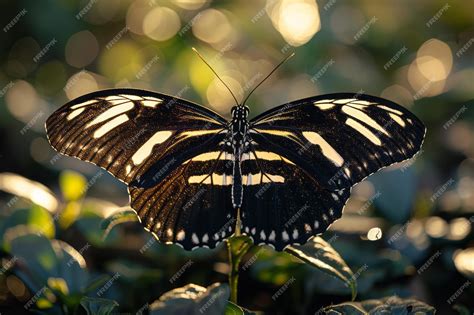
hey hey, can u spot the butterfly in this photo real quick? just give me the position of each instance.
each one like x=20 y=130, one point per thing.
x=195 y=178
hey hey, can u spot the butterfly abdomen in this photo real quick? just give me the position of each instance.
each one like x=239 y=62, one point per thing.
x=237 y=193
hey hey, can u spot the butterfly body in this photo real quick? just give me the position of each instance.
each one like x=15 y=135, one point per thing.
x=288 y=171
x=239 y=142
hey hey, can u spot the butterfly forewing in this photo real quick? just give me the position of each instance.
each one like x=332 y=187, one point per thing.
x=340 y=138
x=128 y=131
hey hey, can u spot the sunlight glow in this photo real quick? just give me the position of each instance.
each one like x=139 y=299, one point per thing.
x=33 y=191
x=297 y=21
x=161 y=23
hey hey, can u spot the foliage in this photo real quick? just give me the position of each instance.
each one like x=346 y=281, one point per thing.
x=389 y=305
x=68 y=241
x=59 y=279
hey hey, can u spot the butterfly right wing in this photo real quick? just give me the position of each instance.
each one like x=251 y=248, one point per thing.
x=342 y=138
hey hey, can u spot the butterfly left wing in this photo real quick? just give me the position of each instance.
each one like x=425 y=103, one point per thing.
x=132 y=133
x=192 y=205
x=162 y=147
x=340 y=139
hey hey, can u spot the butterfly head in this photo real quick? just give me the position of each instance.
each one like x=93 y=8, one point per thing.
x=240 y=112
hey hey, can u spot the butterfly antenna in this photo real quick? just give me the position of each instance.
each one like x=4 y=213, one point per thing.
x=202 y=58
x=268 y=75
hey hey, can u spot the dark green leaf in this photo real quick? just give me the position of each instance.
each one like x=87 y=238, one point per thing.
x=461 y=309
x=193 y=299
x=388 y=305
x=51 y=259
x=320 y=254
x=117 y=218
x=98 y=306
x=233 y=309
x=36 y=218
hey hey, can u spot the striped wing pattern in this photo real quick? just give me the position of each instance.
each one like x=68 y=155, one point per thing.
x=286 y=205
x=326 y=144
x=192 y=205
x=128 y=131
x=297 y=169
x=340 y=138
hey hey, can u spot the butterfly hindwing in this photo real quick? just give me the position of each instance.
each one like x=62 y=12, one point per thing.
x=127 y=131
x=282 y=203
x=192 y=205
x=340 y=138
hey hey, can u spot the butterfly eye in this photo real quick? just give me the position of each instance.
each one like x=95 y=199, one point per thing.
x=247 y=110
x=233 y=110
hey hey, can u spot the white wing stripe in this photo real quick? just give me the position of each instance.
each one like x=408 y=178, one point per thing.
x=145 y=150
x=75 y=113
x=360 y=115
x=117 y=121
x=327 y=150
x=227 y=180
x=363 y=131
x=397 y=119
x=114 y=111
x=84 y=104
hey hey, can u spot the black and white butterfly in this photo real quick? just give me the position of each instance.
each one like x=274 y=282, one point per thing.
x=195 y=178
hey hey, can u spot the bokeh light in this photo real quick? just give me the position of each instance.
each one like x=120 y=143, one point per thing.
x=374 y=234
x=434 y=60
x=79 y=84
x=296 y=20
x=213 y=27
x=464 y=262
x=22 y=100
x=436 y=227
x=161 y=23
x=190 y=4
x=81 y=49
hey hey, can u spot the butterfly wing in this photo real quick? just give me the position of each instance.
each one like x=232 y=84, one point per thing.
x=309 y=153
x=340 y=138
x=282 y=203
x=131 y=132
x=192 y=205
x=166 y=149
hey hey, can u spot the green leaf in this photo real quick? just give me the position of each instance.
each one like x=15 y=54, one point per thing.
x=193 y=299
x=387 y=305
x=98 y=306
x=234 y=309
x=33 y=191
x=35 y=218
x=73 y=185
x=51 y=262
x=89 y=223
x=461 y=309
x=117 y=218
x=320 y=254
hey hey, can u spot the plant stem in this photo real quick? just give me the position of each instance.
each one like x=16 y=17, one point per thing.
x=237 y=247
x=233 y=275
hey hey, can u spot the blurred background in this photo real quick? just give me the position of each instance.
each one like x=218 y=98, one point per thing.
x=406 y=231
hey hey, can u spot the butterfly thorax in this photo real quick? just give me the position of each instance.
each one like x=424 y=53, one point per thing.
x=238 y=127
